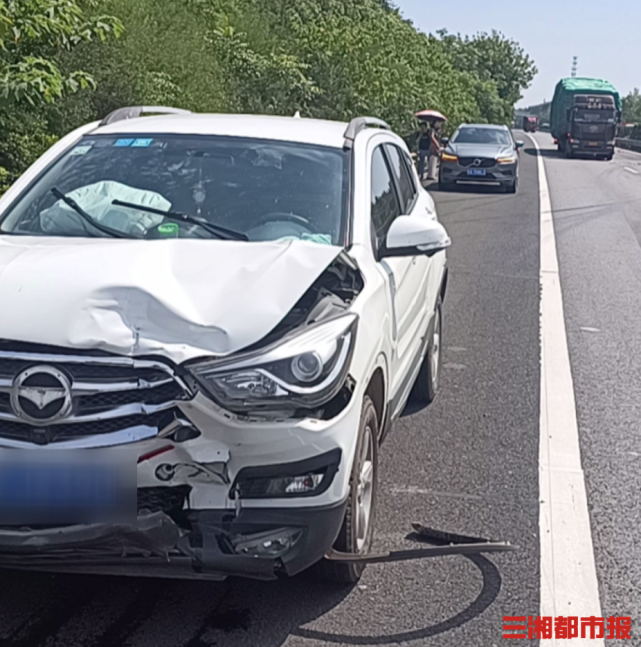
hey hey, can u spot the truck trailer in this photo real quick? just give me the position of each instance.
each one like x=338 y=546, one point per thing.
x=584 y=117
x=530 y=124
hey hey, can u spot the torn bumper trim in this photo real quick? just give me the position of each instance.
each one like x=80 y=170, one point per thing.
x=155 y=533
x=209 y=544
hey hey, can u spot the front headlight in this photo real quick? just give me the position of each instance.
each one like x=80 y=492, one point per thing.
x=304 y=370
x=506 y=160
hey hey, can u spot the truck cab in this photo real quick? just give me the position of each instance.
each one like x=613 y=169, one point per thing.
x=592 y=123
x=530 y=124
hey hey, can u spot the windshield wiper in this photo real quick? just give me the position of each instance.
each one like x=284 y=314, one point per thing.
x=84 y=215
x=216 y=230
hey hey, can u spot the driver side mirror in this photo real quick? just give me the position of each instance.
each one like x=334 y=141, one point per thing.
x=520 y=144
x=415 y=236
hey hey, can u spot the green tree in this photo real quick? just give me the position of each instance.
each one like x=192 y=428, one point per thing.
x=34 y=34
x=493 y=58
x=632 y=107
x=332 y=59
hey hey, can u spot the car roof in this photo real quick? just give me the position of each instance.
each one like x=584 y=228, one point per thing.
x=486 y=126
x=291 y=129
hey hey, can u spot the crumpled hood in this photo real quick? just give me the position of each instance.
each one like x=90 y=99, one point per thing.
x=180 y=299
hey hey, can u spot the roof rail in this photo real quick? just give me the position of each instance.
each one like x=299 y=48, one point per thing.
x=132 y=112
x=360 y=123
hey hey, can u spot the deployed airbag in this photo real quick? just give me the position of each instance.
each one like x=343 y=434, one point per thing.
x=96 y=199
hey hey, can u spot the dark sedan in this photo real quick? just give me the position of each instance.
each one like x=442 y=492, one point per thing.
x=480 y=154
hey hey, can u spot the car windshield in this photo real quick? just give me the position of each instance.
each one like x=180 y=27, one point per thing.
x=473 y=135
x=608 y=116
x=261 y=189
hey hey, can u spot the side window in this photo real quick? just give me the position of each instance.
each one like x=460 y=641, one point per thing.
x=385 y=205
x=406 y=188
x=409 y=167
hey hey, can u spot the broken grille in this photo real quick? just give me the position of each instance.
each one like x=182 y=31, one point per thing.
x=107 y=394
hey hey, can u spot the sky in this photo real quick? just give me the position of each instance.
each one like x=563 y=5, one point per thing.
x=605 y=35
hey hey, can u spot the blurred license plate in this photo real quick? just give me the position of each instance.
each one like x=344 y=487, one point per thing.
x=478 y=172
x=593 y=143
x=66 y=488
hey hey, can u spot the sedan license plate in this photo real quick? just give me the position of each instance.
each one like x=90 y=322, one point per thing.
x=593 y=143
x=65 y=489
x=476 y=172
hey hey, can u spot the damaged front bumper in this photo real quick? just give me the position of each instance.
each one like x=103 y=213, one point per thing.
x=260 y=543
x=221 y=490
x=204 y=479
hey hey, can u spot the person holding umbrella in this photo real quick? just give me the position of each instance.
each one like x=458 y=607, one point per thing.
x=428 y=141
x=428 y=146
x=424 y=144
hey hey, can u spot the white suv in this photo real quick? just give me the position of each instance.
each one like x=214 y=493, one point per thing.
x=209 y=323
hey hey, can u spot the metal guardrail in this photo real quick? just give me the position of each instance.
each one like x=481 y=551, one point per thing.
x=629 y=144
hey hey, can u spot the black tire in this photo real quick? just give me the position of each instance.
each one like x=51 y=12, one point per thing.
x=427 y=382
x=568 y=151
x=609 y=158
x=347 y=541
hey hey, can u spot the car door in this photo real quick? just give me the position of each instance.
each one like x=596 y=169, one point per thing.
x=436 y=264
x=413 y=204
x=403 y=277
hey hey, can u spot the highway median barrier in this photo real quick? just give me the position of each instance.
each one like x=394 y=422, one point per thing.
x=629 y=144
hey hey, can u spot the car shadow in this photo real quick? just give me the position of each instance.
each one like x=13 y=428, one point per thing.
x=107 y=611
x=554 y=153
x=544 y=152
x=467 y=189
x=412 y=408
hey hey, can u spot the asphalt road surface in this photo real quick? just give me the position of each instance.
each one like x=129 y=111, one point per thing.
x=467 y=464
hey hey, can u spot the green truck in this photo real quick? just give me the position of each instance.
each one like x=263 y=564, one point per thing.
x=584 y=117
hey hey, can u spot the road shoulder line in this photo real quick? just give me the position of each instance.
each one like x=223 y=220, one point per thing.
x=569 y=585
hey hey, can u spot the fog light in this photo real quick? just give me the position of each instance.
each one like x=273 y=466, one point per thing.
x=296 y=484
x=309 y=477
x=273 y=543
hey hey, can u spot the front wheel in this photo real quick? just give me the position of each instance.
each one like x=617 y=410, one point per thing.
x=357 y=530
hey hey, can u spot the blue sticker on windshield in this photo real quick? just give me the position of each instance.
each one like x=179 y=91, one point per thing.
x=142 y=143
x=123 y=142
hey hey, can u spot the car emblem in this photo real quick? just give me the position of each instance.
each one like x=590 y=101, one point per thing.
x=476 y=162
x=41 y=395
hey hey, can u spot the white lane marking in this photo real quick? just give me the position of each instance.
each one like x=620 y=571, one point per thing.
x=631 y=170
x=569 y=585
